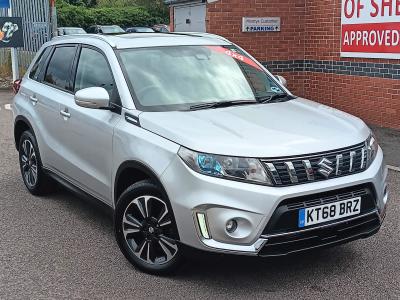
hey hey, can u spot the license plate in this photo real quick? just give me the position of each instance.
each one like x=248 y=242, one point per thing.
x=329 y=212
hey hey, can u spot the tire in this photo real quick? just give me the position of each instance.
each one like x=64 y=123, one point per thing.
x=146 y=231
x=35 y=180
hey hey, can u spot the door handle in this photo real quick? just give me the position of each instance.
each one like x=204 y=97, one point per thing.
x=65 y=114
x=33 y=99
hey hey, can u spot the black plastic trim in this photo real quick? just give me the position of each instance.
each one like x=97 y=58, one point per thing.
x=287 y=209
x=363 y=235
x=21 y=118
x=131 y=164
x=136 y=165
x=79 y=192
x=132 y=119
x=335 y=234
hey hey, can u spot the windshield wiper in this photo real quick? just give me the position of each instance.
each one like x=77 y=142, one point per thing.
x=269 y=99
x=221 y=104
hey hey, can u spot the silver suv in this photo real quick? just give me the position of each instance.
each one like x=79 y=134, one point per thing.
x=192 y=142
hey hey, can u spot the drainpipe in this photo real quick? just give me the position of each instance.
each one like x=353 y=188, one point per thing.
x=53 y=18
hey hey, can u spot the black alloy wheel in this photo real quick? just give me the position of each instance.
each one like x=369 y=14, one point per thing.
x=146 y=230
x=35 y=180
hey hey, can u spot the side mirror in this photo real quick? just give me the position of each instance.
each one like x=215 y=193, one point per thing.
x=93 y=97
x=282 y=80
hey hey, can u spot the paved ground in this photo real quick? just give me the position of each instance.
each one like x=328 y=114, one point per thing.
x=389 y=140
x=62 y=247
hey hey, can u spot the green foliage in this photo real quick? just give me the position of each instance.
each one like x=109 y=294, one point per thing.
x=87 y=3
x=125 y=15
x=154 y=4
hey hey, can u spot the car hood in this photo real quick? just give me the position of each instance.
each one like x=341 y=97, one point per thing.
x=289 y=128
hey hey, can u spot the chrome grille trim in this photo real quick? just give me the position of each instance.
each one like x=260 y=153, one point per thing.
x=352 y=154
x=309 y=169
x=292 y=172
x=339 y=164
x=363 y=154
x=317 y=167
x=274 y=173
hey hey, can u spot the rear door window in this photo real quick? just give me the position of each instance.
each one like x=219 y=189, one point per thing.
x=58 y=73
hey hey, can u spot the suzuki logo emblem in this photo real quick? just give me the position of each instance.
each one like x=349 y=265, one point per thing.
x=325 y=167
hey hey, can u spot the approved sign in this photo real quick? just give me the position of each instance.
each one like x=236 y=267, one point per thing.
x=371 y=28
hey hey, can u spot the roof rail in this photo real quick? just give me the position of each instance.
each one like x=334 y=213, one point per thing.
x=200 y=34
x=90 y=35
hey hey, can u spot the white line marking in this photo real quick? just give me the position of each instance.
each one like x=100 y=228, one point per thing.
x=393 y=168
x=7 y=106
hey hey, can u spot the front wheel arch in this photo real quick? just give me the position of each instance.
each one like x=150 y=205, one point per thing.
x=140 y=172
x=130 y=172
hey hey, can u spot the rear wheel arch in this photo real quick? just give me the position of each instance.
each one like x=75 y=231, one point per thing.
x=20 y=126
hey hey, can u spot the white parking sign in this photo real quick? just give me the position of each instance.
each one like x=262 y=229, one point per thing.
x=266 y=24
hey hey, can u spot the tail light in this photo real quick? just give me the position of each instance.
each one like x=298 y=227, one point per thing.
x=16 y=85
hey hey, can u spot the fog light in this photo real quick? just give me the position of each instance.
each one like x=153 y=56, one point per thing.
x=201 y=219
x=231 y=225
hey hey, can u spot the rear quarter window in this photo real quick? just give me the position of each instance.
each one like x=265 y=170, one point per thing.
x=39 y=64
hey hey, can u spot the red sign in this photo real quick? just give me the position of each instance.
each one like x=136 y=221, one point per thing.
x=371 y=28
x=236 y=56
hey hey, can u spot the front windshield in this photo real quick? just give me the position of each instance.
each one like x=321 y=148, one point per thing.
x=175 y=78
x=112 y=29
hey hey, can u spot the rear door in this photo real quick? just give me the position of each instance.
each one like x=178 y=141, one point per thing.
x=89 y=132
x=48 y=87
x=31 y=108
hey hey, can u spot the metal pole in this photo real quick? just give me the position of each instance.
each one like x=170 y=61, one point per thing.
x=53 y=18
x=14 y=54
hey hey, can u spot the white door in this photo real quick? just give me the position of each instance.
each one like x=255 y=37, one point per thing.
x=190 y=18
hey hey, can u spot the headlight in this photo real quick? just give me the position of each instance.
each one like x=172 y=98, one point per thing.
x=234 y=168
x=372 y=149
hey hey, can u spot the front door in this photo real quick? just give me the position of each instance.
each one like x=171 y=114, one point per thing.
x=89 y=132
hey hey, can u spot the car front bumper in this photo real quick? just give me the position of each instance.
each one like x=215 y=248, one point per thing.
x=252 y=206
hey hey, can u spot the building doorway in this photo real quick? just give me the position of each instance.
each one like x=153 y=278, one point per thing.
x=190 y=18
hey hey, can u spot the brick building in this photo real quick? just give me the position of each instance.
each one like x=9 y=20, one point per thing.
x=307 y=50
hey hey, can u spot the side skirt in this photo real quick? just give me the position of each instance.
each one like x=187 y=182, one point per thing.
x=80 y=193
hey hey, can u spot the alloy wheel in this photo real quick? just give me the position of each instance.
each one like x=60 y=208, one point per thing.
x=29 y=163
x=148 y=230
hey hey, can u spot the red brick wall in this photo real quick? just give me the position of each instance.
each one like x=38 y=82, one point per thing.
x=376 y=100
x=225 y=18
x=310 y=31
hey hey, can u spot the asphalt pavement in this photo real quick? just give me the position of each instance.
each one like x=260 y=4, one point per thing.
x=62 y=247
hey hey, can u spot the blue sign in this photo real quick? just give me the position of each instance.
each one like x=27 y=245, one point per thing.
x=4 y=3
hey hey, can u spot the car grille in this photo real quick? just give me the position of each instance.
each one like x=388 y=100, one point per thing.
x=285 y=217
x=317 y=167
